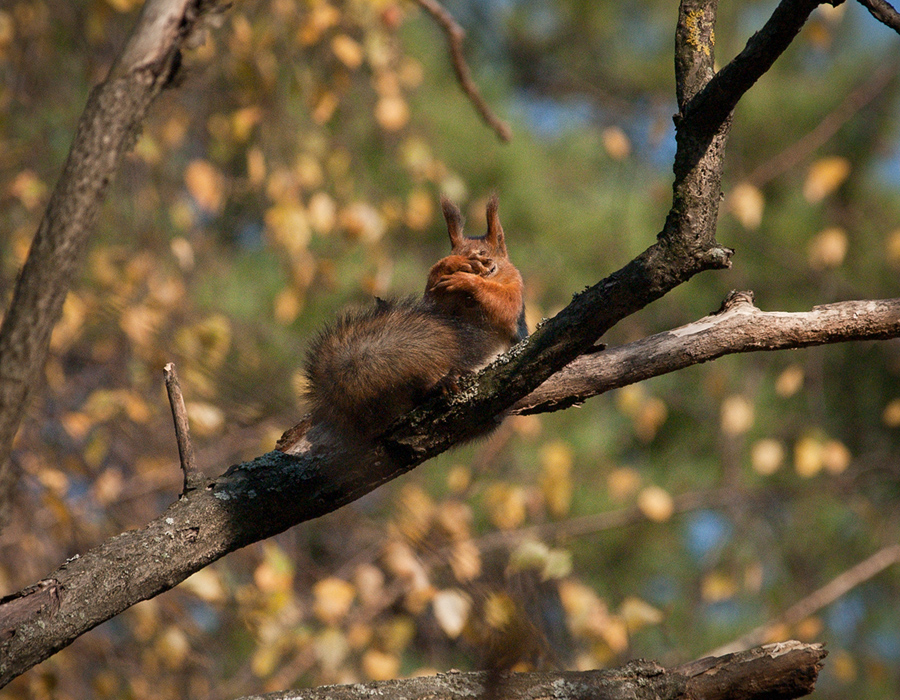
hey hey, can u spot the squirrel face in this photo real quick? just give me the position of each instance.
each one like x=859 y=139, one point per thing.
x=487 y=250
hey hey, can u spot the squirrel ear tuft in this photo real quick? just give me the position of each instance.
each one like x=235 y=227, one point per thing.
x=495 y=234
x=454 y=221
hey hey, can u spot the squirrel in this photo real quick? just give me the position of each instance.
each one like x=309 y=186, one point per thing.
x=372 y=365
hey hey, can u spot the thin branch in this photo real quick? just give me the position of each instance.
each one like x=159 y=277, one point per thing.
x=839 y=586
x=107 y=130
x=739 y=327
x=884 y=12
x=193 y=477
x=455 y=35
x=828 y=127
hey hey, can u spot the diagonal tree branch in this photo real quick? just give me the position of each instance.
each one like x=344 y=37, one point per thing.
x=267 y=495
x=712 y=105
x=884 y=12
x=106 y=131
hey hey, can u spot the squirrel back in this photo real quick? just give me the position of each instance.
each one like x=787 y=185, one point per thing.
x=372 y=365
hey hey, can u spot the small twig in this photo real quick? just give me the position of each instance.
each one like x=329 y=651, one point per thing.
x=193 y=477
x=828 y=127
x=884 y=12
x=838 y=586
x=455 y=35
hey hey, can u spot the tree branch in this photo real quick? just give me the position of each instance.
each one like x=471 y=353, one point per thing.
x=818 y=599
x=455 y=35
x=193 y=477
x=884 y=12
x=107 y=130
x=737 y=327
x=257 y=499
x=771 y=672
x=711 y=106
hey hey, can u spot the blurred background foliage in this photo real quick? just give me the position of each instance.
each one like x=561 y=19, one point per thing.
x=298 y=169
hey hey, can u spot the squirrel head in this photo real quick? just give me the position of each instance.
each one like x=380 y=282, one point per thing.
x=492 y=244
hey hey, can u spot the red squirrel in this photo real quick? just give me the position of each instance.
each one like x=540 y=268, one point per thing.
x=373 y=365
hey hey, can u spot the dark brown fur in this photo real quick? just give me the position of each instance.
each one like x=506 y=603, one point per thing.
x=373 y=365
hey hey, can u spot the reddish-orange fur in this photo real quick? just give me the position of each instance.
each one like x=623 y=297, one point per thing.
x=373 y=365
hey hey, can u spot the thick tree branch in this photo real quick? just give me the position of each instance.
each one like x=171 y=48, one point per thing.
x=738 y=327
x=771 y=672
x=260 y=498
x=106 y=131
x=711 y=106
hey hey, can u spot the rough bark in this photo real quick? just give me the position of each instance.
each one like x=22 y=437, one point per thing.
x=770 y=672
x=267 y=495
x=737 y=327
x=107 y=130
x=275 y=491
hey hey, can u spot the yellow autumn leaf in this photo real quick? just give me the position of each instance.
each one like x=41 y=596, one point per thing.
x=288 y=225
x=363 y=222
x=656 y=503
x=506 y=505
x=649 y=419
x=835 y=456
x=746 y=202
x=736 y=415
x=465 y=561
x=556 y=477
x=332 y=598
x=824 y=177
x=205 y=419
x=842 y=665
x=124 y=5
x=206 y=185
x=325 y=106
x=827 y=249
x=639 y=613
x=451 y=609
x=458 y=478
x=717 y=586
x=766 y=456
x=322 y=213
x=616 y=143
x=330 y=648
x=891 y=414
x=419 y=210
x=623 y=483
x=808 y=457
x=415 y=512
x=206 y=584
x=287 y=306
x=892 y=249
x=809 y=628
x=369 y=582
x=321 y=17
x=392 y=112
x=454 y=519
x=790 y=381
x=379 y=665
x=172 y=646
x=243 y=121
x=348 y=51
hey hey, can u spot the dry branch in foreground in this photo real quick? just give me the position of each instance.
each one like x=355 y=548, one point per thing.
x=771 y=672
